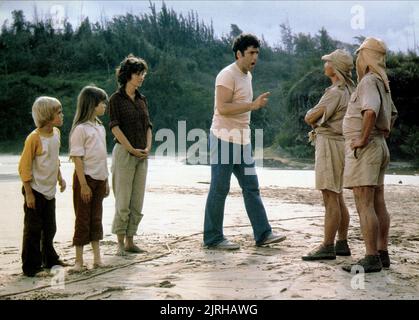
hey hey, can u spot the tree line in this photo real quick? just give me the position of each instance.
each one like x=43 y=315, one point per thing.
x=184 y=56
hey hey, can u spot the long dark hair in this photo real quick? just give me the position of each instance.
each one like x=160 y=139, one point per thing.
x=88 y=99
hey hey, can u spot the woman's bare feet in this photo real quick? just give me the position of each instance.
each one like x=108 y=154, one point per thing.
x=121 y=251
x=134 y=249
x=131 y=247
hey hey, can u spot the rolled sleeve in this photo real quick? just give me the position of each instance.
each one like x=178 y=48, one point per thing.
x=369 y=95
x=147 y=113
x=113 y=113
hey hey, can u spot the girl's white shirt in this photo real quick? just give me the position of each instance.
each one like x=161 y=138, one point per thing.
x=88 y=140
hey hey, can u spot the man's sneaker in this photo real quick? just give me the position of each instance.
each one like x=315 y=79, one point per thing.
x=385 y=259
x=321 y=253
x=342 y=248
x=370 y=263
x=272 y=238
x=225 y=245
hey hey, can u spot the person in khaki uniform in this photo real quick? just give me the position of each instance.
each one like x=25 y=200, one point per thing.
x=368 y=121
x=326 y=119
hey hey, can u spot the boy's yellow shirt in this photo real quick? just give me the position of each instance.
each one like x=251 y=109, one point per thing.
x=32 y=148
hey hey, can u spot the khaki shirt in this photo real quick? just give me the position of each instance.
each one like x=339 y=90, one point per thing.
x=335 y=101
x=370 y=94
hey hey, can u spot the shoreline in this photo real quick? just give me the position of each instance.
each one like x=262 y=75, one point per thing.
x=270 y=161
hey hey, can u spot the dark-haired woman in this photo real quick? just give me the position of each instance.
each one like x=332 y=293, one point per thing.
x=131 y=127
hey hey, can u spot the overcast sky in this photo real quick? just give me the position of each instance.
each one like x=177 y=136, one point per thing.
x=396 y=22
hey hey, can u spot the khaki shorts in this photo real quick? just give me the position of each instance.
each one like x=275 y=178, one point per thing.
x=330 y=159
x=369 y=167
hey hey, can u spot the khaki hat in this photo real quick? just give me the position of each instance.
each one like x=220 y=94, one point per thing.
x=374 y=59
x=373 y=44
x=341 y=59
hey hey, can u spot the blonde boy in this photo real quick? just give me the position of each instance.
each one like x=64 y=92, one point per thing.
x=39 y=169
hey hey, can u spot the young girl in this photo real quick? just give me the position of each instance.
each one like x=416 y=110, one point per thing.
x=39 y=169
x=90 y=180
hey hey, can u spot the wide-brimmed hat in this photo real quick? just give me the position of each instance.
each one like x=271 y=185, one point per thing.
x=343 y=64
x=341 y=59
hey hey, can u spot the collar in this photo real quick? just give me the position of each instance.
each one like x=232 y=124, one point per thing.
x=46 y=135
x=137 y=93
x=92 y=123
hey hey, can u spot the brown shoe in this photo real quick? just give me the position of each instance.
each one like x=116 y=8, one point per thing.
x=385 y=258
x=370 y=263
x=321 y=253
x=342 y=248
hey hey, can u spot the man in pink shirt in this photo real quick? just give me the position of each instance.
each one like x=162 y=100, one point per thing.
x=231 y=150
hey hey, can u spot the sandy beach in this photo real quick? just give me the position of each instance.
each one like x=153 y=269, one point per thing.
x=175 y=266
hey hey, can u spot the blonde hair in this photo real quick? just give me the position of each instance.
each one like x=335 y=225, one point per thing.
x=43 y=110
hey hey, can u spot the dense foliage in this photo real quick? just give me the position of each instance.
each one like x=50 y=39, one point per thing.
x=184 y=56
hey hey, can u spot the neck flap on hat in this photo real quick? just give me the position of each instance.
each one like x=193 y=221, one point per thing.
x=345 y=78
x=373 y=61
x=342 y=64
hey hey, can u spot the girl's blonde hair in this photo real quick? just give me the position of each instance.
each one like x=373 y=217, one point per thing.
x=43 y=110
x=88 y=99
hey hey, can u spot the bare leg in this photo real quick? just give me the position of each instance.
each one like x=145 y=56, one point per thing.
x=383 y=218
x=344 y=219
x=364 y=200
x=332 y=217
x=130 y=242
x=131 y=247
x=97 y=261
x=121 y=246
x=78 y=265
x=326 y=251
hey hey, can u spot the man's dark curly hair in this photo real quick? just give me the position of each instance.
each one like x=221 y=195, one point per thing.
x=244 y=41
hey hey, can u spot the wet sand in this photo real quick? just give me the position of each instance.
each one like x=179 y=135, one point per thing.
x=175 y=266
